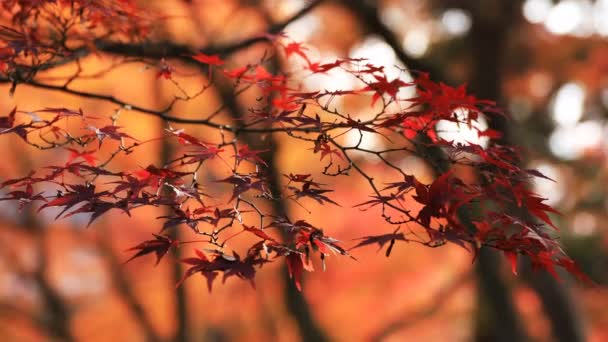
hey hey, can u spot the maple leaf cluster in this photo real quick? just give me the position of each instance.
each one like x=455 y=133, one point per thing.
x=31 y=44
x=497 y=210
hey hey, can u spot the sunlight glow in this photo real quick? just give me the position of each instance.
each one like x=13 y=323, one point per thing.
x=84 y=278
x=416 y=42
x=554 y=191
x=393 y=17
x=540 y=84
x=381 y=54
x=462 y=133
x=536 y=11
x=569 y=104
x=600 y=17
x=13 y=285
x=303 y=28
x=288 y=6
x=333 y=80
x=456 y=21
x=369 y=140
x=378 y=52
x=571 y=142
x=584 y=223
x=566 y=17
x=580 y=18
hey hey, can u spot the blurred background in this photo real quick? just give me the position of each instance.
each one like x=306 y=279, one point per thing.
x=544 y=61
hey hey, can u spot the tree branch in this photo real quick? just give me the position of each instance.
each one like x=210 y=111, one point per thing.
x=167 y=49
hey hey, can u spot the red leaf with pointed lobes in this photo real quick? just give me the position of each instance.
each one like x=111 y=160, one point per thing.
x=245 y=153
x=300 y=178
x=544 y=259
x=490 y=133
x=258 y=232
x=97 y=208
x=208 y=59
x=539 y=174
x=88 y=156
x=160 y=246
x=287 y=103
x=61 y=112
x=377 y=200
x=381 y=240
x=29 y=179
x=243 y=184
x=23 y=196
x=7 y=125
x=296 y=48
x=199 y=264
x=308 y=190
x=536 y=206
x=237 y=72
x=77 y=194
x=371 y=69
x=383 y=86
x=440 y=187
x=295 y=267
x=408 y=182
x=326 y=150
x=261 y=74
x=327 y=244
x=109 y=131
x=230 y=265
x=483 y=229
x=202 y=154
x=297 y=177
x=186 y=139
x=7 y=122
x=574 y=269
x=319 y=68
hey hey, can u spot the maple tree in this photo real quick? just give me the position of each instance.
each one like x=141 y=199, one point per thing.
x=44 y=35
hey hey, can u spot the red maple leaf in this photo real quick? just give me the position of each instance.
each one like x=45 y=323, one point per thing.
x=7 y=122
x=237 y=72
x=243 y=184
x=208 y=59
x=296 y=48
x=258 y=232
x=159 y=246
x=381 y=240
x=88 y=156
x=244 y=153
x=384 y=86
x=295 y=267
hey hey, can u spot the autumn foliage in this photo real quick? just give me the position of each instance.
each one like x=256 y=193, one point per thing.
x=493 y=209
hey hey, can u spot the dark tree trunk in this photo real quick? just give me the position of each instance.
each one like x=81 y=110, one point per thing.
x=294 y=299
x=488 y=42
x=497 y=317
